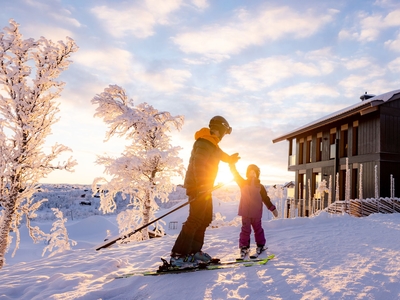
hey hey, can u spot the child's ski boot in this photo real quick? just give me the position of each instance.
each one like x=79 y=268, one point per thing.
x=244 y=252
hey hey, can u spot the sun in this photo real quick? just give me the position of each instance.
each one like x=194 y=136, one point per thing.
x=224 y=174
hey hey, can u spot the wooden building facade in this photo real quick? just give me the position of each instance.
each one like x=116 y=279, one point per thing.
x=366 y=133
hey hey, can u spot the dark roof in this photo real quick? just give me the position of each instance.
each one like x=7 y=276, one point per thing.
x=289 y=184
x=341 y=114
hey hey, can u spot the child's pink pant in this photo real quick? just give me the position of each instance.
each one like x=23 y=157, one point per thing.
x=244 y=237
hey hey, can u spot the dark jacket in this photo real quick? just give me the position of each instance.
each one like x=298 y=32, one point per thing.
x=203 y=163
x=252 y=196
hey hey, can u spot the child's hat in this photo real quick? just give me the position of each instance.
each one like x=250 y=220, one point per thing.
x=254 y=168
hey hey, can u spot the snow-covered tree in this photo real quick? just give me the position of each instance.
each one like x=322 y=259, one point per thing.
x=58 y=240
x=347 y=183
x=321 y=190
x=28 y=87
x=276 y=192
x=144 y=170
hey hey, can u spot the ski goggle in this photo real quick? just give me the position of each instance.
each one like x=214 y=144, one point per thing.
x=227 y=127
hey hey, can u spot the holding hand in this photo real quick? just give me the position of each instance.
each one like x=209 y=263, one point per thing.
x=233 y=159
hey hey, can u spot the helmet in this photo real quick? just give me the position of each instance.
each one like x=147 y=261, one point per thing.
x=255 y=169
x=221 y=124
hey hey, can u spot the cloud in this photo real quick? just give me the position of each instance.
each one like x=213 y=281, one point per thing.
x=166 y=80
x=247 y=29
x=201 y=4
x=266 y=72
x=357 y=63
x=393 y=45
x=326 y=61
x=53 y=33
x=387 y=3
x=371 y=80
x=304 y=90
x=137 y=19
x=118 y=70
x=394 y=65
x=368 y=27
x=126 y=69
x=43 y=18
x=56 y=13
x=345 y=34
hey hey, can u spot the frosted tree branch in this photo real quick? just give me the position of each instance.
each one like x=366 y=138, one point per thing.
x=144 y=170
x=28 y=76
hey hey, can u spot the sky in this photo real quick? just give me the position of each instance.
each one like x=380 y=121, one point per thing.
x=323 y=257
x=268 y=67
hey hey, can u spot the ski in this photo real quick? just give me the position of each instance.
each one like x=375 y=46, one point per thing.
x=164 y=269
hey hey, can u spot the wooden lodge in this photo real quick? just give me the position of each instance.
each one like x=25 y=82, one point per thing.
x=366 y=133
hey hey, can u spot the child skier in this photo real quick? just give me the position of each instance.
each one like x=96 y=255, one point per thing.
x=253 y=195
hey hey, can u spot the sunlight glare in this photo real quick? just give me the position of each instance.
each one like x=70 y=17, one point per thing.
x=224 y=175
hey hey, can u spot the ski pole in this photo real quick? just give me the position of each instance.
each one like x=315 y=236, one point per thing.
x=108 y=243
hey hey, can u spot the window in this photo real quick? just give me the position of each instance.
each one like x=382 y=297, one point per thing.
x=355 y=139
x=308 y=150
x=332 y=145
x=318 y=150
x=344 y=141
x=292 y=152
x=302 y=193
x=301 y=149
x=354 y=184
x=302 y=189
x=315 y=184
x=342 y=184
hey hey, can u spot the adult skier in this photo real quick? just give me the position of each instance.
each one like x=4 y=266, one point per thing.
x=199 y=181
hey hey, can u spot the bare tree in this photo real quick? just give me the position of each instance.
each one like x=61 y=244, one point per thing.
x=148 y=163
x=28 y=73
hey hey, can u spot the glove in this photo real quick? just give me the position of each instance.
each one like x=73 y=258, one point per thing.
x=233 y=159
x=274 y=211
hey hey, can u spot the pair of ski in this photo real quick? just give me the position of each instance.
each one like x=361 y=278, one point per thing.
x=166 y=268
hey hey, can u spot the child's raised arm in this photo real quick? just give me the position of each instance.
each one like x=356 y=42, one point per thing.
x=236 y=176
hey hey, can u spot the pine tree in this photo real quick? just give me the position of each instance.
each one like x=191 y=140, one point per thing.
x=58 y=240
x=28 y=73
x=147 y=164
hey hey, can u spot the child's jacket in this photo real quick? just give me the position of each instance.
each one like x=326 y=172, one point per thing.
x=253 y=195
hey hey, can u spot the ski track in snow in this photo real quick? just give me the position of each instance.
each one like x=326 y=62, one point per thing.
x=322 y=257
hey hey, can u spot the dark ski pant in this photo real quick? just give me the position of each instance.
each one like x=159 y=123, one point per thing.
x=191 y=238
x=244 y=237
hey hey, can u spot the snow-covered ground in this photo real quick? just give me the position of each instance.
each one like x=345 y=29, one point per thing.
x=322 y=257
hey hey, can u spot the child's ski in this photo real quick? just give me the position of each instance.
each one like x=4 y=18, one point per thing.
x=167 y=269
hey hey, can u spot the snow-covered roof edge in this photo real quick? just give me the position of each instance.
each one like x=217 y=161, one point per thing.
x=374 y=101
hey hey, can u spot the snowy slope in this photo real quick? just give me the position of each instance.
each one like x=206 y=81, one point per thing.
x=323 y=257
